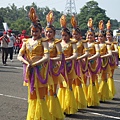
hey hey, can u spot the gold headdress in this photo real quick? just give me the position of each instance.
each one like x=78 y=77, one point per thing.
x=108 y=27
x=50 y=18
x=32 y=15
x=63 y=22
x=90 y=25
x=101 y=25
x=34 y=18
x=74 y=25
x=74 y=22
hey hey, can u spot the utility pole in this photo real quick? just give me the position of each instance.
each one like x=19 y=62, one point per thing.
x=70 y=7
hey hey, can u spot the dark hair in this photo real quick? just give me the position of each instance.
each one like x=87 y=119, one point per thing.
x=110 y=32
x=77 y=30
x=66 y=30
x=37 y=25
x=51 y=26
x=103 y=32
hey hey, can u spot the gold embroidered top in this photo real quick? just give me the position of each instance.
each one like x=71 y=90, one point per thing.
x=33 y=51
x=80 y=47
x=68 y=50
x=103 y=49
x=53 y=50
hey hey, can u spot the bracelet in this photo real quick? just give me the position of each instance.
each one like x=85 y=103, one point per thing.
x=59 y=53
x=74 y=50
x=46 y=51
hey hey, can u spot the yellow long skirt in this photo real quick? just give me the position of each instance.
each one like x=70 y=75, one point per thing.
x=92 y=96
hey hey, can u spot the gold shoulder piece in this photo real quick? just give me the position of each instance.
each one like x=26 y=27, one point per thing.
x=57 y=41
x=84 y=41
x=115 y=42
x=97 y=42
x=108 y=43
x=73 y=41
x=44 y=39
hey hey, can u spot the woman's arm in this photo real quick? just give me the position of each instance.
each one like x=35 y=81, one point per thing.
x=109 y=52
x=45 y=58
x=86 y=52
x=74 y=56
x=116 y=49
x=97 y=49
x=59 y=52
x=21 y=54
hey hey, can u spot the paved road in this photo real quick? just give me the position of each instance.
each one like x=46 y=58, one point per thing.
x=13 y=97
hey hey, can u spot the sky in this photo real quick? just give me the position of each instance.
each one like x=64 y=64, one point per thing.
x=112 y=7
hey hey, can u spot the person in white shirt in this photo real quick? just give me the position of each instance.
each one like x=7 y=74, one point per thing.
x=10 y=44
x=4 y=46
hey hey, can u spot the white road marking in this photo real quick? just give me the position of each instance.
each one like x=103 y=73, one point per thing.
x=13 y=97
x=93 y=113
x=108 y=116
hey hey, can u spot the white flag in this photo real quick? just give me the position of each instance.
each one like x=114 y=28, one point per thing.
x=5 y=26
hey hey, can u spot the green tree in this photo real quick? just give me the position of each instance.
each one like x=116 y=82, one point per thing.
x=91 y=10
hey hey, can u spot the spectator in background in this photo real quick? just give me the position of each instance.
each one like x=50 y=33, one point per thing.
x=10 y=44
x=23 y=36
x=4 y=46
x=17 y=44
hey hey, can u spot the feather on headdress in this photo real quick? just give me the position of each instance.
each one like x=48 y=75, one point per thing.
x=74 y=22
x=50 y=18
x=101 y=25
x=32 y=15
x=63 y=21
x=90 y=23
x=108 y=25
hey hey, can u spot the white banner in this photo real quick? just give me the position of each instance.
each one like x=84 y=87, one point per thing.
x=5 y=26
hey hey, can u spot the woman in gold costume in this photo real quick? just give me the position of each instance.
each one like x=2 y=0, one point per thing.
x=82 y=50
x=35 y=55
x=93 y=66
x=55 y=68
x=69 y=49
x=105 y=53
x=113 y=59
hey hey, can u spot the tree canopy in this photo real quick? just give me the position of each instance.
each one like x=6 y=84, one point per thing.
x=17 y=18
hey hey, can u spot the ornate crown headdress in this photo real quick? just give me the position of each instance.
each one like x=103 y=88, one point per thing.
x=74 y=22
x=90 y=25
x=74 y=25
x=32 y=15
x=63 y=21
x=108 y=26
x=101 y=27
x=50 y=18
